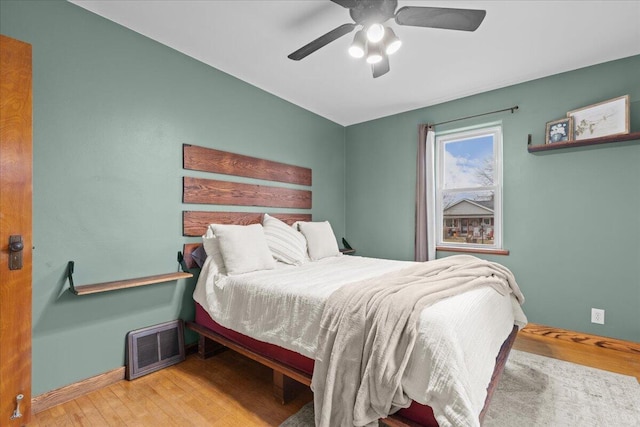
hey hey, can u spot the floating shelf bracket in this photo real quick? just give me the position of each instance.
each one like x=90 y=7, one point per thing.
x=182 y=262
x=70 y=277
x=129 y=283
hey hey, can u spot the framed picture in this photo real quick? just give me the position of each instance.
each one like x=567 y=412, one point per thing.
x=602 y=119
x=559 y=131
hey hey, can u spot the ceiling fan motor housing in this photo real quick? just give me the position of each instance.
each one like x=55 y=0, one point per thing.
x=367 y=12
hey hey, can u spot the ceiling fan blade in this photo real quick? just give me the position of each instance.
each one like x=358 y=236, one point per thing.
x=322 y=41
x=381 y=67
x=346 y=3
x=440 y=17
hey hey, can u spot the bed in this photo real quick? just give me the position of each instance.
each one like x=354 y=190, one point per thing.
x=274 y=315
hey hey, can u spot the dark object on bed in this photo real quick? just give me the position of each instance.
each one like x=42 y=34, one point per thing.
x=199 y=256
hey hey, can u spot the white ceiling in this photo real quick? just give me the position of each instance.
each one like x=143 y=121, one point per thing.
x=250 y=39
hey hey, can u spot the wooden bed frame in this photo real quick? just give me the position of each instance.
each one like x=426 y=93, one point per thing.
x=217 y=192
x=211 y=343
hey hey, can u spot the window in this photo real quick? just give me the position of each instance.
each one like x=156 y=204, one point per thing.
x=468 y=188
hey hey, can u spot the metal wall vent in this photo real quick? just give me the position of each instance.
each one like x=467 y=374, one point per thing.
x=153 y=348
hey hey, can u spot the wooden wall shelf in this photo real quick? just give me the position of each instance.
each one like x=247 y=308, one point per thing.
x=122 y=284
x=582 y=143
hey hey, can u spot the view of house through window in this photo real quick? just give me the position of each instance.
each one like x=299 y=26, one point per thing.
x=469 y=187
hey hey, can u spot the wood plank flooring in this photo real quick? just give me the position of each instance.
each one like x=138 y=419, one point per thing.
x=229 y=390
x=225 y=390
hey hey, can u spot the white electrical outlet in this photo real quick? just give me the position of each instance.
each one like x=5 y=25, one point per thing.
x=597 y=316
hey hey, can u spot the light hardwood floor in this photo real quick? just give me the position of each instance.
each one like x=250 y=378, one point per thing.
x=231 y=390
x=225 y=390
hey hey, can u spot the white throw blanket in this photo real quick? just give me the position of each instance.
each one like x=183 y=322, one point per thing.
x=368 y=331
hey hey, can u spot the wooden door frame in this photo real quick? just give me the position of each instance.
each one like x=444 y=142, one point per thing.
x=16 y=160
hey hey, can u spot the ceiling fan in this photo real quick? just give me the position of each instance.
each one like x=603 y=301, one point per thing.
x=377 y=41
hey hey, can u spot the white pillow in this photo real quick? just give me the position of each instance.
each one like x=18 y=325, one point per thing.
x=212 y=248
x=321 y=242
x=244 y=248
x=285 y=242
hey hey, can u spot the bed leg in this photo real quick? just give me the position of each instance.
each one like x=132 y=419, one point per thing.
x=208 y=347
x=282 y=387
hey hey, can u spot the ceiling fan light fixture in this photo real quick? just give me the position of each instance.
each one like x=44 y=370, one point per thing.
x=376 y=42
x=358 y=45
x=375 y=32
x=391 y=42
x=374 y=53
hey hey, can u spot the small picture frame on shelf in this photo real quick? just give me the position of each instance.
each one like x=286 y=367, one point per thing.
x=605 y=118
x=559 y=131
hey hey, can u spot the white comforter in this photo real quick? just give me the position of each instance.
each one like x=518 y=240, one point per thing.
x=459 y=337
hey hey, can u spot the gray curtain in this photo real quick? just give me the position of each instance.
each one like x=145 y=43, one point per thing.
x=424 y=249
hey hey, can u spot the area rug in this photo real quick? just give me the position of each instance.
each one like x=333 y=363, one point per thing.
x=537 y=391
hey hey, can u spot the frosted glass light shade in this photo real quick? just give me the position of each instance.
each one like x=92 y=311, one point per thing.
x=358 y=45
x=374 y=53
x=375 y=33
x=391 y=42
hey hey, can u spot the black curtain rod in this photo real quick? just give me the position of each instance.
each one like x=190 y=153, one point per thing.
x=512 y=109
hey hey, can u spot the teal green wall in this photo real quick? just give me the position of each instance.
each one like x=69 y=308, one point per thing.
x=571 y=217
x=111 y=112
x=113 y=108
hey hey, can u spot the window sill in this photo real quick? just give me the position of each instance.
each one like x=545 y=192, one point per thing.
x=472 y=250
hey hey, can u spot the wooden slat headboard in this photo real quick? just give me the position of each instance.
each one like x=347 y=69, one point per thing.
x=229 y=193
x=195 y=223
x=210 y=160
x=214 y=192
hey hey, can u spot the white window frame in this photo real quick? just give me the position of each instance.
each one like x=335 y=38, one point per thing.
x=437 y=163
